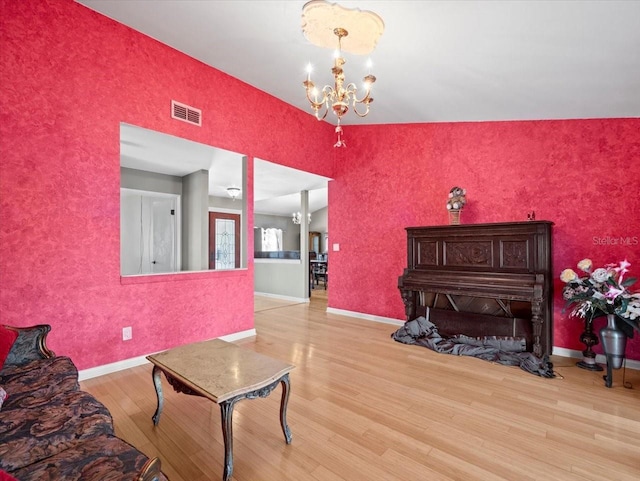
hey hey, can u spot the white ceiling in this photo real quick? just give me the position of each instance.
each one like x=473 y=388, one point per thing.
x=437 y=61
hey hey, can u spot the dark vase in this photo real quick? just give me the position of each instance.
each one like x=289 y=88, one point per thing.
x=614 y=344
x=589 y=339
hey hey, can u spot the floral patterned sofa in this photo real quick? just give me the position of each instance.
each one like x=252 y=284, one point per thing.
x=49 y=428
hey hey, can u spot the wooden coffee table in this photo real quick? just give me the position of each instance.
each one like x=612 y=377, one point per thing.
x=225 y=374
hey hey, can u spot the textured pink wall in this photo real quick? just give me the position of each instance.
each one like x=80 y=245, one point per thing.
x=582 y=175
x=69 y=77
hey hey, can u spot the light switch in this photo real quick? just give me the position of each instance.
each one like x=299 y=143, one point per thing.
x=336 y=247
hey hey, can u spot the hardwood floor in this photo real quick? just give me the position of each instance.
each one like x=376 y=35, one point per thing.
x=364 y=407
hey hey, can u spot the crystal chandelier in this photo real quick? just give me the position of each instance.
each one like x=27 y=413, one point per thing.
x=297 y=218
x=319 y=18
x=338 y=97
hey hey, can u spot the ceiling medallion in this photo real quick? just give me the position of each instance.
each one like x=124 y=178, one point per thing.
x=357 y=32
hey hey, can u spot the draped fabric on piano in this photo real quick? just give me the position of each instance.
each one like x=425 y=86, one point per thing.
x=483 y=280
x=509 y=351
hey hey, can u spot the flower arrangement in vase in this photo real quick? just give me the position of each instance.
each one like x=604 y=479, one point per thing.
x=603 y=291
x=456 y=201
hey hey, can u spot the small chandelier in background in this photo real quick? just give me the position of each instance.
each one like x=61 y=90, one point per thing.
x=320 y=19
x=297 y=218
x=233 y=192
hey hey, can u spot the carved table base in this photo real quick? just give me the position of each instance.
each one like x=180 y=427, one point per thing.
x=226 y=410
x=223 y=373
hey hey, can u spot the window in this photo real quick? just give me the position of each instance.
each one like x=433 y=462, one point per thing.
x=271 y=240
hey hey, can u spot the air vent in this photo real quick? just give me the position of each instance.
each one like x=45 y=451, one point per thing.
x=186 y=114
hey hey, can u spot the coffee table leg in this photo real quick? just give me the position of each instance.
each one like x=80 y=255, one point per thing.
x=283 y=408
x=226 y=412
x=157 y=382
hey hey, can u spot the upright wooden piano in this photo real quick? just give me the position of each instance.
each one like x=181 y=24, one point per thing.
x=483 y=279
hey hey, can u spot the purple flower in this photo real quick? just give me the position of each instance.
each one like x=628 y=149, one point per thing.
x=613 y=293
x=622 y=270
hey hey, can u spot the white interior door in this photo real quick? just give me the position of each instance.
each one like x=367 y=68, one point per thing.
x=163 y=228
x=150 y=233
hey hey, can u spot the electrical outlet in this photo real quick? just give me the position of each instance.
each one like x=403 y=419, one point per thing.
x=127 y=334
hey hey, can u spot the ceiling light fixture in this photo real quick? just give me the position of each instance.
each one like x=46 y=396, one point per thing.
x=233 y=192
x=320 y=19
x=297 y=218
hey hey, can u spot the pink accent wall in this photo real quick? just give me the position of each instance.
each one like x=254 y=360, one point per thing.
x=69 y=76
x=583 y=175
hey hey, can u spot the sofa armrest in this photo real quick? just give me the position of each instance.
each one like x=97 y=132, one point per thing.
x=30 y=345
x=151 y=471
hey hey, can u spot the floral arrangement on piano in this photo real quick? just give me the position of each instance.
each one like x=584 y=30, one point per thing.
x=456 y=201
x=602 y=291
x=457 y=198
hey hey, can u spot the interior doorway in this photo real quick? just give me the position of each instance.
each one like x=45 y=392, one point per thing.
x=224 y=240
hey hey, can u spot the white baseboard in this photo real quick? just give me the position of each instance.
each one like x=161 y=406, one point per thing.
x=558 y=351
x=140 y=360
x=113 y=367
x=600 y=359
x=563 y=352
x=236 y=336
x=368 y=317
x=284 y=298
